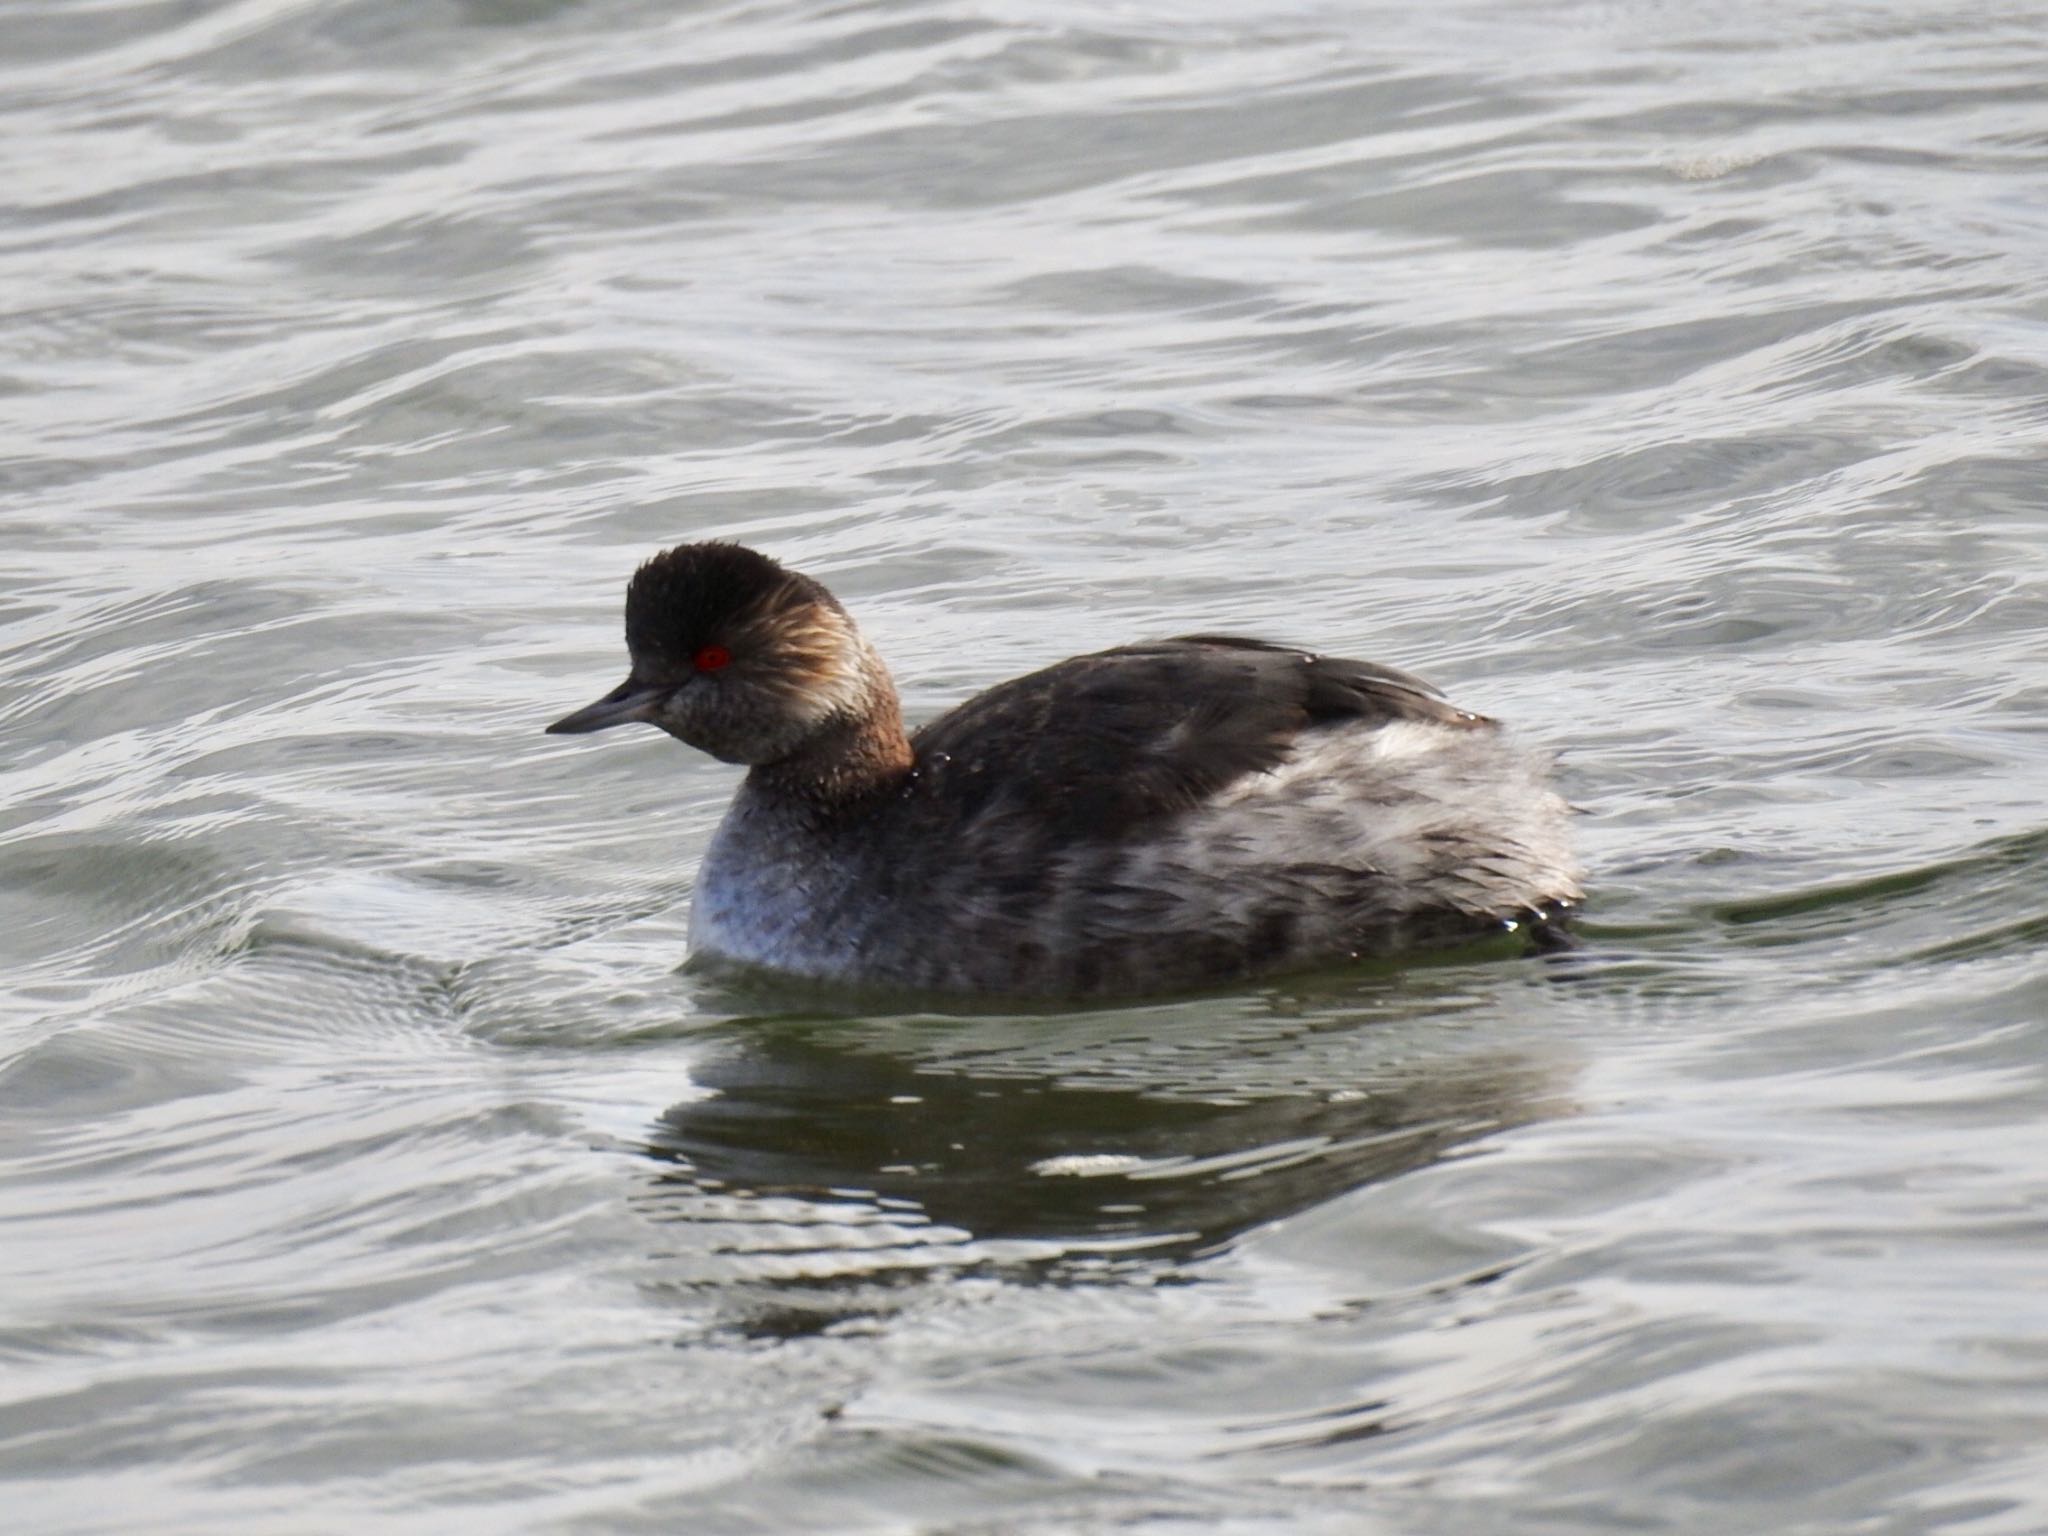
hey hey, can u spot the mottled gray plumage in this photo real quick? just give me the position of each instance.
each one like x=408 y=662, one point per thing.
x=1158 y=816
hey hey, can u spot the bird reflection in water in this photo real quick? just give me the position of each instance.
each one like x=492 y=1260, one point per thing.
x=826 y=1162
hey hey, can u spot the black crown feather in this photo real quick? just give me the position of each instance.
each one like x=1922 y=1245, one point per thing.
x=696 y=594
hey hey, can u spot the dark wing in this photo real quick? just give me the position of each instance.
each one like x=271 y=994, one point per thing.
x=1097 y=745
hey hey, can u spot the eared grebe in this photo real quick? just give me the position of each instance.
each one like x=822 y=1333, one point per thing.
x=1155 y=817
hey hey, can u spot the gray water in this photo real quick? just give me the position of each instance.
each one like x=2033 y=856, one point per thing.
x=1670 y=381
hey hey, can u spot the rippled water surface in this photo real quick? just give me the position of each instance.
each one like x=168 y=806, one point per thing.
x=1671 y=381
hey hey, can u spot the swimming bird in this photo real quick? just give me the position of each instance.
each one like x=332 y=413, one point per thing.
x=1158 y=817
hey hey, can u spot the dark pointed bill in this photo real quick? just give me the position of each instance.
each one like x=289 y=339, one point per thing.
x=631 y=700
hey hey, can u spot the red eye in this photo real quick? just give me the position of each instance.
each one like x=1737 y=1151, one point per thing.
x=710 y=658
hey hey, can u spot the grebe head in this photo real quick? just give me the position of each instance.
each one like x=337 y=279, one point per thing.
x=740 y=658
